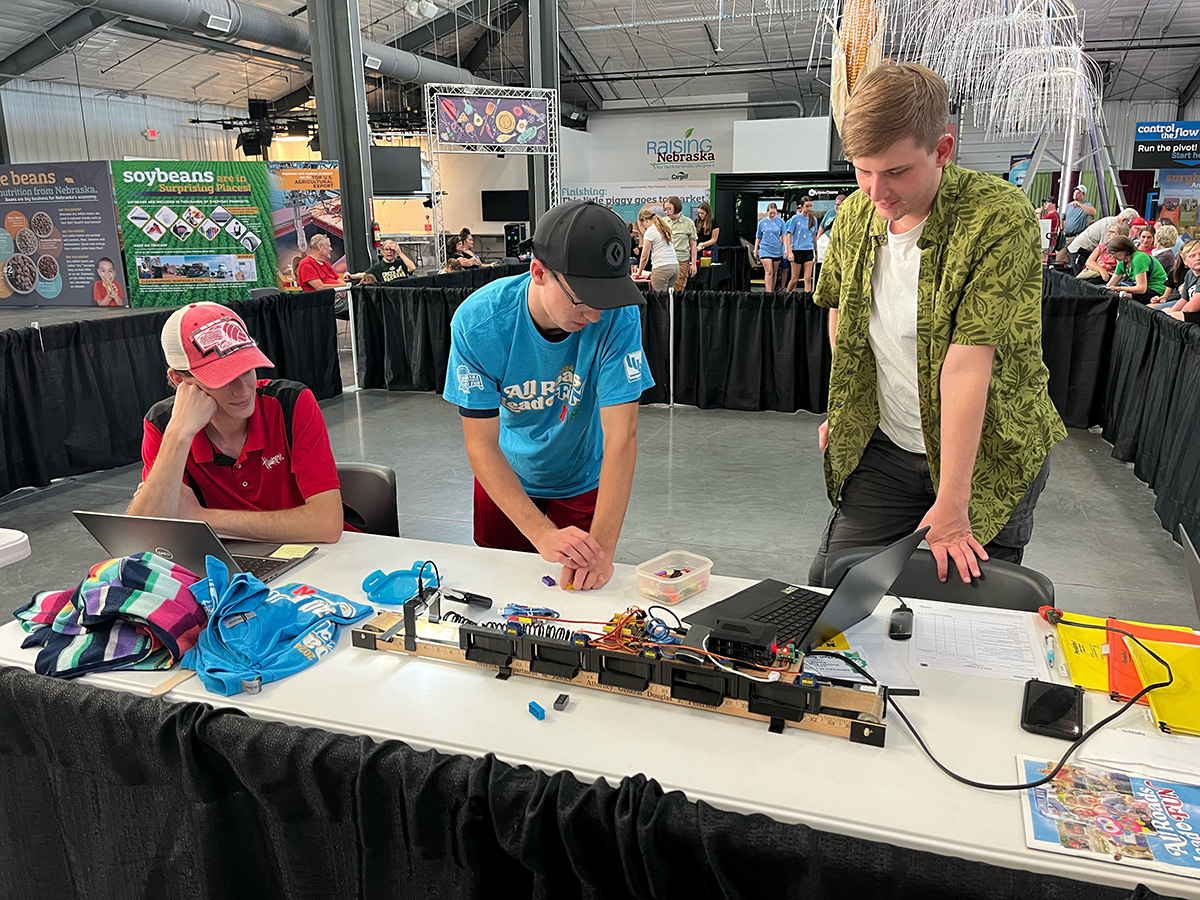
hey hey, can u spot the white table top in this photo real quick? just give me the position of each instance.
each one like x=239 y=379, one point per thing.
x=892 y=794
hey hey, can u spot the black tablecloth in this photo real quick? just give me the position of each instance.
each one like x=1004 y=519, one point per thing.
x=74 y=394
x=737 y=260
x=109 y=796
x=709 y=278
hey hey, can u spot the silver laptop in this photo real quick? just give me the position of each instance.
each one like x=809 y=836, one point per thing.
x=1193 y=565
x=185 y=543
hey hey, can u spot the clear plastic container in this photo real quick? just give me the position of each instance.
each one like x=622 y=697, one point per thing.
x=656 y=584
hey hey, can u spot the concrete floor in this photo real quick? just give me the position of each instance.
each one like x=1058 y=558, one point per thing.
x=745 y=489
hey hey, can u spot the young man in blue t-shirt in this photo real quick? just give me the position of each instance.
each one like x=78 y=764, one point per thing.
x=546 y=369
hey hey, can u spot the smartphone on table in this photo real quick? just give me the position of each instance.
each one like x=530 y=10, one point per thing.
x=1055 y=710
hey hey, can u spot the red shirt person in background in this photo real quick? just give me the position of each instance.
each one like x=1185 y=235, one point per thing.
x=1050 y=211
x=249 y=457
x=314 y=272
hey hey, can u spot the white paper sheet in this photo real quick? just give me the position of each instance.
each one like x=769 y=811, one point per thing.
x=1174 y=756
x=875 y=652
x=999 y=643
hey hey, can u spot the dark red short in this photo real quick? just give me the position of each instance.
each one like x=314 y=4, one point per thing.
x=494 y=529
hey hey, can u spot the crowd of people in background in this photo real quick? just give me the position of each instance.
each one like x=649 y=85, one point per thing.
x=1152 y=262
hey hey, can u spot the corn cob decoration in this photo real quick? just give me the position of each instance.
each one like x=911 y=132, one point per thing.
x=857 y=48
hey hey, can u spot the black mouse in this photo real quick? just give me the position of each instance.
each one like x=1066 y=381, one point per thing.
x=900 y=626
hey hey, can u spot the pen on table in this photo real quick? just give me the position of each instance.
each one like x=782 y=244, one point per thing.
x=1050 y=650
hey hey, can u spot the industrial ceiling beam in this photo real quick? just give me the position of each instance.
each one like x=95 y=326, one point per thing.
x=78 y=26
x=572 y=66
x=1188 y=93
x=443 y=26
x=487 y=42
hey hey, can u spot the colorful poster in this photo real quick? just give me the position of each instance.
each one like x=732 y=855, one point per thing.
x=469 y=120
x=306 y=200
x=628 y=199
x=194 y=230
x=1179 y=190
x=1166 y=145
x=59 y=242
x=1114 y=816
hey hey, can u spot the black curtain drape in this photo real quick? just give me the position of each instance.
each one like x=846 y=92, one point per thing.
x=737 y=258
x=751 y=351
x=403 y=335
x=74 y=394
x=107 y=795
x=1152 y=414
x=1078 y=322
x=733 y=351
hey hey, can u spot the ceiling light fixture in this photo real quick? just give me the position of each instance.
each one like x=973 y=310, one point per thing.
x=428 y=10
x=411 y=8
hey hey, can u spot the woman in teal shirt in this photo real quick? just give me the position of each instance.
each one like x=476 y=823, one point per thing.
x=1147 y=274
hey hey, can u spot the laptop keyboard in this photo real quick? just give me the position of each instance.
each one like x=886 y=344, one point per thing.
x=257 y=566
x=794 y=616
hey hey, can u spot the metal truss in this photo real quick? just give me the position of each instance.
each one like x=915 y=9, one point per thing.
x=437 y=146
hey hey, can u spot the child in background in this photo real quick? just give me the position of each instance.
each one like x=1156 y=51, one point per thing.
x=107 y=290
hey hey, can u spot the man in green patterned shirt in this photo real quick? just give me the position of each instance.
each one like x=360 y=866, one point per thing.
x=938 y=410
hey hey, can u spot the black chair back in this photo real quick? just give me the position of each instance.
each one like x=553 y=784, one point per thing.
x=370 y=490
x=1004 y=585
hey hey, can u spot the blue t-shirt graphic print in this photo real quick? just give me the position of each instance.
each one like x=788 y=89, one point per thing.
x=549 y=393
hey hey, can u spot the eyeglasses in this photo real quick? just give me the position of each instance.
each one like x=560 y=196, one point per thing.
x=566 y=290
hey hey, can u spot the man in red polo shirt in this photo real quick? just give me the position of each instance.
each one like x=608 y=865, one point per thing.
x=250 y=457
x=314 y=273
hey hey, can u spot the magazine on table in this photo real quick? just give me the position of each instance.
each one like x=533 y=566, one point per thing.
x=1107 y=814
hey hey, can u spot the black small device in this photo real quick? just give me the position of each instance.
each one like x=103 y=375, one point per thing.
x=1055 y=710
x=561 y=702
x=901 y=624
x=467 y=597
x=514 y=237
x=744 y=640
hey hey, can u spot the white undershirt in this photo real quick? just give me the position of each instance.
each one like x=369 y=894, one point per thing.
x=893 y=336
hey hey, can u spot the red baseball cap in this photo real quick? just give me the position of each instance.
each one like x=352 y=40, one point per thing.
x=1138 y=220
x=210 y=341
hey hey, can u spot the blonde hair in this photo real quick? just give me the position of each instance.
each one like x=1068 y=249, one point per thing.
x=1121 y=228
x=895 y=101
x=1166 y=236
x=656 y=220
x=1188 y=248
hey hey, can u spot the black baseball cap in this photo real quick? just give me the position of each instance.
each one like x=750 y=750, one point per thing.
x=588 y=244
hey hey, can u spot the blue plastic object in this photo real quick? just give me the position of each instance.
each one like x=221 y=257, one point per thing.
x=398 y=586
x=536 y=711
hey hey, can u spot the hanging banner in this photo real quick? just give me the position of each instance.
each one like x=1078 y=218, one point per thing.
x=306 y=200
x=628 y=199
x=194 y=231
x=1180 y=193
x=467 y=120
x=59 y=244
x=1166 y=145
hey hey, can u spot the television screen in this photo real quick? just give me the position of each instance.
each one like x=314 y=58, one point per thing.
x=505 y=206
x=765 y=201
x=396 y=170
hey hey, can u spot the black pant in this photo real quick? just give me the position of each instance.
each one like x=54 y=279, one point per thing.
x=888 y=495
x=1078 y=259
